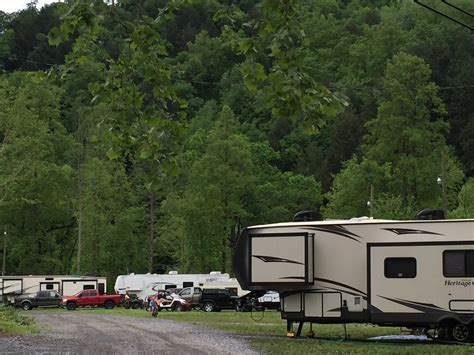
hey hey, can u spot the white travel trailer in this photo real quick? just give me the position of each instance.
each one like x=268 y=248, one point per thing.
x=416 y=274
x=144 y=285
x=11 y=286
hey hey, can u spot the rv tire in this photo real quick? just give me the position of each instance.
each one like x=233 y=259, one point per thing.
x=461 y=332
x=27 y=306
x=71 y=306
x=209 y=307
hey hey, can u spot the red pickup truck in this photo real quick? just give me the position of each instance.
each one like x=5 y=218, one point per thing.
x=90 y=298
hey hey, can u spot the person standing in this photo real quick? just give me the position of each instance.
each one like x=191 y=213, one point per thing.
x=154 y=307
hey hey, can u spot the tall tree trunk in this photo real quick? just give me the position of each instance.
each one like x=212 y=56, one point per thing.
x=80 y=218
x=151 y=237
x=4 y=253
x=224 y=251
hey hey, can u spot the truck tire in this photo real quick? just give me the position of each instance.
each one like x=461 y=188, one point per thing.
x=71 y=306
x=208 y=307
x=178 y=307
x=109 y=304
x=27 y=306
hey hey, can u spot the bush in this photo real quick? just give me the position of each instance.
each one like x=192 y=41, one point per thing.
x=12 y=322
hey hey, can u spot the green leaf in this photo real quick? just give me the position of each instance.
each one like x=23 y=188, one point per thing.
x=112 y=155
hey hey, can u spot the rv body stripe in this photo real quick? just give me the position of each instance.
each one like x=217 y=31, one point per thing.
x=359 y=292
x=374 y=309
x=340 y=284
x=423 y=307
x=274 y=259
x=335 y=229
x=348 y=292
x=405 y=231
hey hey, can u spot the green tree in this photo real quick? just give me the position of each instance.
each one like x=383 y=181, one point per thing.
x=407 y=138
x=217 y=183
x=112 y=239
x=36 y=178
x=465 y=208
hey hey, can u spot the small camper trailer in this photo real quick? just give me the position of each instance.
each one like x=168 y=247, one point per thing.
x=11 y=286
x=416 y=274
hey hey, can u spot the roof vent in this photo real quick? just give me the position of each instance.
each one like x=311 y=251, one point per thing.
x=303 y=216
x=173 y=273
x=430 y=214
x=215 y=273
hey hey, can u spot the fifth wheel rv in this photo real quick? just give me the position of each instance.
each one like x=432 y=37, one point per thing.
x=415 y=274
x=11 y=286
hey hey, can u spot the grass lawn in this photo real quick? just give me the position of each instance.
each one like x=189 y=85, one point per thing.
x=267 y=332
x=11 y=322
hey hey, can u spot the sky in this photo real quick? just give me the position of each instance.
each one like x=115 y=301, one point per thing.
x=15 y=5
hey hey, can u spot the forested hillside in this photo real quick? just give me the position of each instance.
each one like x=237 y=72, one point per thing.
x=143 y=135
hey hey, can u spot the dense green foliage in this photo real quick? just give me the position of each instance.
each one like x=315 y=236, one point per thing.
x=143 y=136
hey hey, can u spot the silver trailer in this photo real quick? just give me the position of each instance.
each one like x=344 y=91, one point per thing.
x=415 y=274
x=11 y=286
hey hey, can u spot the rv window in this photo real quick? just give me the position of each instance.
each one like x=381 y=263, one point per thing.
x=470 y=263
x=458 y=263
x=188 y=284
x=50 y=287
x=397 y=268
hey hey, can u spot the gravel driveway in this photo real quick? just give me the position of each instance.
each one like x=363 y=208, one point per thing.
x=83 y=332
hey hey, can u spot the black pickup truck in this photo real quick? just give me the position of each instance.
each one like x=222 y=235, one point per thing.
x=41 y=299
x=216 y=299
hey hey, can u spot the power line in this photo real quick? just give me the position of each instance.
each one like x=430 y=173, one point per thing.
x=201 y=81
x=457 y=8
x=26 y=60
x=445 y=15
x=457 y=87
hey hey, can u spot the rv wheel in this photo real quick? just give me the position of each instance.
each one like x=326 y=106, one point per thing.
x=460 y=332
x=444 y=333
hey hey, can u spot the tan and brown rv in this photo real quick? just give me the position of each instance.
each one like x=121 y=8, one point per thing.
x=416 y=274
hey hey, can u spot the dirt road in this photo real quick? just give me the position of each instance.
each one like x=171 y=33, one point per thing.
x=85 y=332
